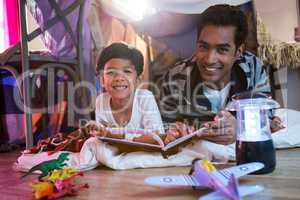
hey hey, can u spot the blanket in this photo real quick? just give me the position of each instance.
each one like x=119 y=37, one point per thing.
x=95 y=152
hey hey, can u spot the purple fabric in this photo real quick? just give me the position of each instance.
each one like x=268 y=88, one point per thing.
x=56 y=39
x=60 y=44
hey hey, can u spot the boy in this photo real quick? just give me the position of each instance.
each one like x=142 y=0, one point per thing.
x=122 y=104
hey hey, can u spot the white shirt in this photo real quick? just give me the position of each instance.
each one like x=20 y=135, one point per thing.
x=217 y=98
x=144 y=115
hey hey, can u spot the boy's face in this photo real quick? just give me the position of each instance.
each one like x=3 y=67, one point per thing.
x=119 y=78
x=216 y=53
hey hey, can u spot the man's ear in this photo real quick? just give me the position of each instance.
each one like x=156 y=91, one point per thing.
x=240 y=50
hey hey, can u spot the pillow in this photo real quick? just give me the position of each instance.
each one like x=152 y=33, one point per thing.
x=287 y=137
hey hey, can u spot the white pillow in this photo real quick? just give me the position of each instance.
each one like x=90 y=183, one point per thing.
x=289 y=136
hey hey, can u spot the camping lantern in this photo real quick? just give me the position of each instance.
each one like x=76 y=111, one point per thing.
x=254 y=141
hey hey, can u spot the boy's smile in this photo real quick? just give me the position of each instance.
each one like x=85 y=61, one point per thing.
x=120 y=87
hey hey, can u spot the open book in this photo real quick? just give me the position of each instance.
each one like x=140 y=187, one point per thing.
x=165 y=149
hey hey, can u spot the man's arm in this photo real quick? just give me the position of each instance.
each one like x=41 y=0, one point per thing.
x=260 y=80
x=222 y=130
x=169 y=99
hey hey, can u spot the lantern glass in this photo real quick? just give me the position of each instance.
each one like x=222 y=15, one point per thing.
x=254 y=141
x=253 y=118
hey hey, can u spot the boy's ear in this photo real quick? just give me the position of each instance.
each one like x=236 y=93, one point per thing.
x=101 y=81
x=139 y=80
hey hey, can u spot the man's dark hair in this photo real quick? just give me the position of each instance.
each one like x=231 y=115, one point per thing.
x=124 y=51
x=226 y=15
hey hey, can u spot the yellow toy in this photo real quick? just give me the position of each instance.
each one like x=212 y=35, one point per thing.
x=61 y=174
x=207 y=165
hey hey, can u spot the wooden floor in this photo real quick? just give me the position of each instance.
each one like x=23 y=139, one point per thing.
x=283 y=183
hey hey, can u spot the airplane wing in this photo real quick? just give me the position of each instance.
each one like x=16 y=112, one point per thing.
x=179 y=180
x=201 y=178
x=243 y=191
x=237 y=171
x=191 y=180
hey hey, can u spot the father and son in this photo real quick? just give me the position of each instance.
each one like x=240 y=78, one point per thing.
x=195 y=88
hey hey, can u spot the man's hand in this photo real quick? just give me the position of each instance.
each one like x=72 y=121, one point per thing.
x=276 y=124
x=222 y=130
x=177 y=130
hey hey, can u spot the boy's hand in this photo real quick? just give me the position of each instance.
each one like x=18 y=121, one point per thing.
x=177 y=130
x=101 y=132
x=222 y=130
x=91 y=125
x=96 y=129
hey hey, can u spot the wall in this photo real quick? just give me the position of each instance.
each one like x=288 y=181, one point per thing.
x=279 y=16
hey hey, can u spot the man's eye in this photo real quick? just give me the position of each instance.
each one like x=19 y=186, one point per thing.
x=223 y=50
x=202 y=47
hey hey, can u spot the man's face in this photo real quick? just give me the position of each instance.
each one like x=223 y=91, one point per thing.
x=119 y=78
x=216 y=52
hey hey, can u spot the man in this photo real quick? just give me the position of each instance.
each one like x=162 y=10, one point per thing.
x=203 y=84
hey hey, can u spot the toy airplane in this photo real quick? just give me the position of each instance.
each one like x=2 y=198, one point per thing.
x=223 y=182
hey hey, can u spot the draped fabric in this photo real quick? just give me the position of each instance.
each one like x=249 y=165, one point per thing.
x=57 y=40
x=175 y=6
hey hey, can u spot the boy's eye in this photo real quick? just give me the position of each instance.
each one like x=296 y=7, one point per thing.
x=128 y=71
x=110 y=72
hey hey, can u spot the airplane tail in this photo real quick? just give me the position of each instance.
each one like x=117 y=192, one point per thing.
x=202 y=174
x=232 y=188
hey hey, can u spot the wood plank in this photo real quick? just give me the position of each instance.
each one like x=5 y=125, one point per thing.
x=283 y=183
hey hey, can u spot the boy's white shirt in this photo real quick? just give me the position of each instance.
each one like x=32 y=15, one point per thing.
x=145 y=113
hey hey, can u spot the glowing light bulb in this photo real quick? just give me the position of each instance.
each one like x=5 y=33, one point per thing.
x=135 y=9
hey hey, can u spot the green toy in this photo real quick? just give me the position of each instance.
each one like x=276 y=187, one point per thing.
x=49 y=165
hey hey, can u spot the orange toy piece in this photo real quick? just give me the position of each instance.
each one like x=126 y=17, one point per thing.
x=43 y=189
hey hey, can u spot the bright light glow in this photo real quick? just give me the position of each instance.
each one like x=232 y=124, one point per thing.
x=252 y=122
x=135 y=9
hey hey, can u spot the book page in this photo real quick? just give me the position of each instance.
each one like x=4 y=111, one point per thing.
x=182 y=139
x=134 y=131
x=124 y=141
x=159 y=146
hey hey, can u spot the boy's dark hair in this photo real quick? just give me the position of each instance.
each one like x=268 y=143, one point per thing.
x=124 y=51
x=226 y=15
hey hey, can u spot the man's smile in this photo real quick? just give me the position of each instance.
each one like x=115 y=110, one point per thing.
x=211 y=68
